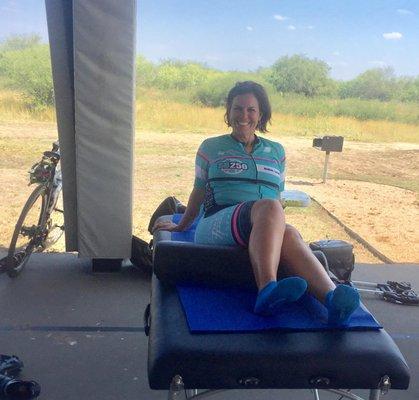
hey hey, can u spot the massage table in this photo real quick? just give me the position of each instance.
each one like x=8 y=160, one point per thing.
x=197 y=365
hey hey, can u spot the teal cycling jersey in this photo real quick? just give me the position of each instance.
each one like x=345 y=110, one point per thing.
x=230 y=175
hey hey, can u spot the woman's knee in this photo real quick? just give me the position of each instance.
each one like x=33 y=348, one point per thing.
x=291 y=234
x=267 y=207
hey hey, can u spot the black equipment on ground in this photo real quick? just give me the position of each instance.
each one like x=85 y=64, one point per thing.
x=393 y=292
x=341 y=263
x=141 y=254
x=12 y=388
x=141 y=251
x=339 y=255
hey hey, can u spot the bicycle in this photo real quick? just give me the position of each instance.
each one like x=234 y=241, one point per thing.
x=40 y=223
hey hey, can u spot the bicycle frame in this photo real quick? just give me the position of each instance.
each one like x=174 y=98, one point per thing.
x=47 y=175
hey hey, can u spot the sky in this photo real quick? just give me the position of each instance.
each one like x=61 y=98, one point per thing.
x=351 y=36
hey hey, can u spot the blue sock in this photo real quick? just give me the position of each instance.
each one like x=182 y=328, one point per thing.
x=341 y=303
x=274 y=294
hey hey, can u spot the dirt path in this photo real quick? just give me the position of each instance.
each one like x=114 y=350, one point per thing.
x=386 y=217
x=364 y=190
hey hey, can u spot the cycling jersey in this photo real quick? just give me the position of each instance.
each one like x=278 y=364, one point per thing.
x=230 y=175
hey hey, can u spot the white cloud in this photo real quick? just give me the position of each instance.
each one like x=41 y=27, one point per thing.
x=291 y=27
x=378 y=63
x=392 y=36
x=280 y=17
x=336 y=53
x=403 y=11
x=309 y=27
x=249 y=28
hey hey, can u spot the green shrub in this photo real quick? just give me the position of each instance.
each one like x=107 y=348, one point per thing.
x=408 y=89
x=29 y=70
x=172 y=74
x=213 y=92
x=377 y=83
x=146 y=72
x=353 y=108
x=20 y=42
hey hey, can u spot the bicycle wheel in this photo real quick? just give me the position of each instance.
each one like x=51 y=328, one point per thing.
x=29 y=232
x=55 y=221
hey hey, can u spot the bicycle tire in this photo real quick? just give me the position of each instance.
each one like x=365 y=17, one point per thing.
x=55 y=221
x=18 y=255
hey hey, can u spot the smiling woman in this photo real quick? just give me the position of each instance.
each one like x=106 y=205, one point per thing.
x=239 y=178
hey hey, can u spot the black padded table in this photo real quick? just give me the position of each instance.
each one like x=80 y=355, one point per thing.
x=332 y=360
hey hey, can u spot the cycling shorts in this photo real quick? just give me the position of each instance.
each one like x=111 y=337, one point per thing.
x=230 y=226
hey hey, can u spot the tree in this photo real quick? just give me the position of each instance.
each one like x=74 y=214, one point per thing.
x=146 y=72
x=301 y=75
x=408 y=89
x=173 y=74
x=29 y=70
x=376 y=83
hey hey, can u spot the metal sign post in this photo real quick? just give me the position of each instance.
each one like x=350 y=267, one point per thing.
x=326 y=160
x=328 y=144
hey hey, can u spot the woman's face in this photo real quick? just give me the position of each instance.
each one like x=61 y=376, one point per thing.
x=244 y=114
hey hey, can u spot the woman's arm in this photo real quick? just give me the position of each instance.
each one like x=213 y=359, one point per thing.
x=192 y=210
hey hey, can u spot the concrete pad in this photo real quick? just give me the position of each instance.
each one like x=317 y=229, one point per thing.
x=81 y=335
x=61 y=290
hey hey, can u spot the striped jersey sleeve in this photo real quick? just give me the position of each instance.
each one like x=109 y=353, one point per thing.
x=201 y=167
x=282 y=164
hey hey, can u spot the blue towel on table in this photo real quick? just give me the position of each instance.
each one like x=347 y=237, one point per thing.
x=231 y=309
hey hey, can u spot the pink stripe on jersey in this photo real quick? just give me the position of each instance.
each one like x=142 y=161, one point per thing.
x=204 y=156
x=234 y=227
x=231 y=156
x=267 y=159
x=248 y=158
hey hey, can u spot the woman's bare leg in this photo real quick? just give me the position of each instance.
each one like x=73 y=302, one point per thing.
x=271 y=240
x=265 y=242
x=300 y=261
x=268 y=227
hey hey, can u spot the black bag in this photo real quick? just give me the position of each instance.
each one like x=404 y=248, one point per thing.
x=170 y=205
x=339 y=255
x=141 y=254
x=141 y=251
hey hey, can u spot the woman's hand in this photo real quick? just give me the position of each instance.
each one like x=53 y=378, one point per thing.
x=166 y=226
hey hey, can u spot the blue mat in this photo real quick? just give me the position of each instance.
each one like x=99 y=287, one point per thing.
x=184 y=236
x=231 y=310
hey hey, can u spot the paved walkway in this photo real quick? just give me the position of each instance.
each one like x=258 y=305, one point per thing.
x=81 y=334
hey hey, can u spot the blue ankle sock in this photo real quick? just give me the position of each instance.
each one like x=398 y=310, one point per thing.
x=341 y=303
x=274 y=294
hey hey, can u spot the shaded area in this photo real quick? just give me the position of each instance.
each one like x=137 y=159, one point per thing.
x=80 y=334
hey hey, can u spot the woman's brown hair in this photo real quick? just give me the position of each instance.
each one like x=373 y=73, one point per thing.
x=262 y=97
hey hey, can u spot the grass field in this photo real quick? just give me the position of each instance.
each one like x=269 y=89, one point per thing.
x=159 y=114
